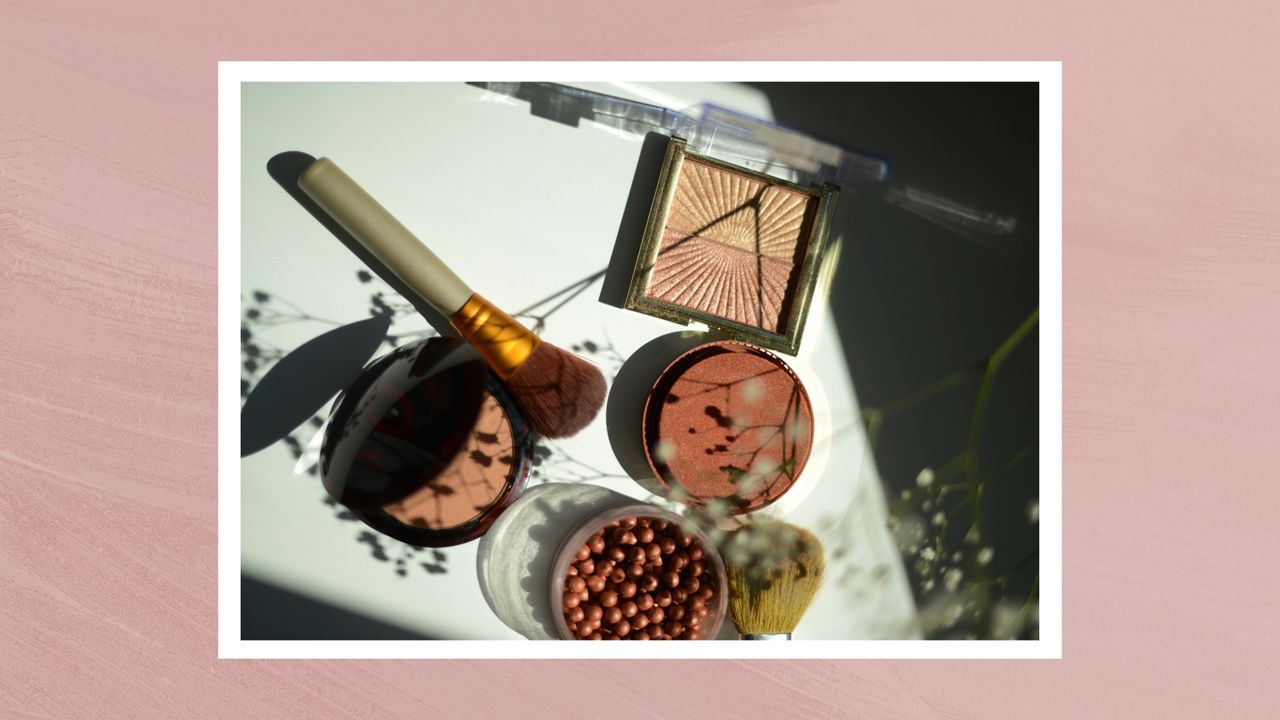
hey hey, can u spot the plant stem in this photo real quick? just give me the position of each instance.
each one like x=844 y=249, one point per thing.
x=875 y=416
x=984 y=392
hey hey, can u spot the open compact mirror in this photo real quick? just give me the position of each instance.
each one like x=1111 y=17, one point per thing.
x=427 y=446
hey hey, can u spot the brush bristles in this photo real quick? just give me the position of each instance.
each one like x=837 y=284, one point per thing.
x=775 y=570
x=558 y=392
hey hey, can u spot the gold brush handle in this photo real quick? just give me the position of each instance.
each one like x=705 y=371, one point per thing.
x=389 y=241
x=504 y=343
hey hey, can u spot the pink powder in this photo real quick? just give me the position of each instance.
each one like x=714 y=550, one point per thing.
x=731 y=246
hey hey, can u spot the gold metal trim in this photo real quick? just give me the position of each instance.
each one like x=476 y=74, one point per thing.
x=503 y=343
x=798 y=309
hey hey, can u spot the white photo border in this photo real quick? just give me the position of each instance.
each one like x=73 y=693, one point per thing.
x=1049 y=76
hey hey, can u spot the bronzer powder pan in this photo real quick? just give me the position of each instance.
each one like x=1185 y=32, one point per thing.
x=471 y=482
x=483 y=478
x=428 y=447
x=731 y=248
x=730 y=421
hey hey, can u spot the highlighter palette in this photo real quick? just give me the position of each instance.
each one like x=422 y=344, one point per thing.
x=731 y=248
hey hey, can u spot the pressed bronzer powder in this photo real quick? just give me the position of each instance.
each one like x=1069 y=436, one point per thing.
x=471 y=482
x=733 y=249
x=728 y=421
x=428 y=446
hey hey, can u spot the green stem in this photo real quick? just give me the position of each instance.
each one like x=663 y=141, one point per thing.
x=984 y=393
x=1022 y=455
x=967 y=464
x=874 y=417
x=1020 y=617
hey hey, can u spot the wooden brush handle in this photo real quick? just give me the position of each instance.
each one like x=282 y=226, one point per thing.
x=384 y=236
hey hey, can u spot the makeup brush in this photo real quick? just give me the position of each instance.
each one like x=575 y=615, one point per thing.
x=558 y=392
x=775 y=570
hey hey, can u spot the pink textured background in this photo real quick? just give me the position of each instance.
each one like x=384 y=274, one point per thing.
x=1172 y=402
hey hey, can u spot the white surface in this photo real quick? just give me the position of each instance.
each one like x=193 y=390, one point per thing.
x=520 y=207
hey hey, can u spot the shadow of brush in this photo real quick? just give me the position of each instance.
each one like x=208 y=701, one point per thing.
x=301 y=383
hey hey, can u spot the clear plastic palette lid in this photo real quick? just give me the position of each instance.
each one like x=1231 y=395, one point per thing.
x=709 y=130
x=779 y=151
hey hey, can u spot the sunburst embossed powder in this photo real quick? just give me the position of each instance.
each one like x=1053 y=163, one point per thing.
x=731 y=248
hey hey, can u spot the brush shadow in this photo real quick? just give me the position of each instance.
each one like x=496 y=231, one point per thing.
x=285 y=168
x=635 y=214
x=300 y=384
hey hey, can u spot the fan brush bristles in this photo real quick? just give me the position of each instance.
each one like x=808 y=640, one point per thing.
x=558 y=392
x=775 y=570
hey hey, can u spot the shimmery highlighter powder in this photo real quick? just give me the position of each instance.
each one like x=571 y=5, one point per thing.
x=735 y=250
x=730 y=245
x=728 y=421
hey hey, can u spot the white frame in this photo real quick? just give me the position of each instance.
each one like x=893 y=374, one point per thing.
x=1047 y=74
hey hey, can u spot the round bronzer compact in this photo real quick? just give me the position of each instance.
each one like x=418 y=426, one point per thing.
x=728 y=421
x=427 y=446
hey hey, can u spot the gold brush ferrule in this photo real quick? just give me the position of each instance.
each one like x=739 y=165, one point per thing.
x=503 y=343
